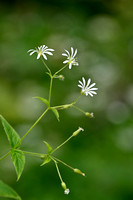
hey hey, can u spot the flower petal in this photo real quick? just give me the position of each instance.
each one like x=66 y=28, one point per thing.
x=72 y=52
x=45 y=57
x=66 y=61
x=32 y=52
x=49 y=53
x=67 y=53
x=92 y=92
x=38 y=56
x=50 y=49
x=88 y=82
x=93 y=89
x=75 y=53
x=80 y=86
x=91 y=85
x=83 y=81
x=64 y=54
x=70 y=65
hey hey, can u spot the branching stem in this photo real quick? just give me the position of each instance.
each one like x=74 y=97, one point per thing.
x=4 y=156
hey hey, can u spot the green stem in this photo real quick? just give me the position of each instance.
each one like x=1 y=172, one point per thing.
x=4 y=156
x=62 y=144
x=46 y=66
x=63 y=163
x=50 y=89
x=76 y=99
x=78 y=109
x=60 y=70
x=32 y=153
x=58 y=170
x=61 y=106
x=33 y=125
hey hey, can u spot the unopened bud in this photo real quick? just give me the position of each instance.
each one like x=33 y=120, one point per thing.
x=66 y=190
x=63 y=185
x=43 y=156
x=78 y=131
x=61 y=77
x=79 y=172
x=67 y=106
x=91 y=115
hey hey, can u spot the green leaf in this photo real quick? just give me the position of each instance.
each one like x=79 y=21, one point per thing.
x=12 y=135
x=43 y=100
x=18 y=159
x=48 y=147
x=7 y=191
x=56 y=113
x=47 y=159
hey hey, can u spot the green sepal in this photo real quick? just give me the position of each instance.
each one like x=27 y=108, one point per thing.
x=18 y=159
x=8 y=192
x=50 y=150
x=56 y=113
x=43 y=100
x=12 y=135
x=46 y=160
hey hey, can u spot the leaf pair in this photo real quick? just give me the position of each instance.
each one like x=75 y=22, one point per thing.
x=6 y=191
x=56 y=113
x=47 y=158
x=17 y=155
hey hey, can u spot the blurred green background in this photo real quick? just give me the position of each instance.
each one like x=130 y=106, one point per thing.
x=103 y=33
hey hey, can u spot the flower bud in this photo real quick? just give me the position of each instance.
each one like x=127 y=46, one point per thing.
x=78 y=131
x=43 y=156
x=91 y=115
x=66 y=190
x=67 y=106
x=61 y=77
x=63 y=185
x=79 y=172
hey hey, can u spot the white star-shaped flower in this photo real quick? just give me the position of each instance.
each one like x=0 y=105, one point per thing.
x=70 y=58
x=66 y=191
x=87 y=88
x=41 y=51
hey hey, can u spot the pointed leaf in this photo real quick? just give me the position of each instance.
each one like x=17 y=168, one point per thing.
x=7 y=191
x=47 y=159
x=43 y=100
x=56 y=113
x=18 y=159
x=48 y=147
x=12 y=135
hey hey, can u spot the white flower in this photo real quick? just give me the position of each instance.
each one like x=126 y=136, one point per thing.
x=41 y=51
x=66 y=191
x=87 y=88
x=70 y=58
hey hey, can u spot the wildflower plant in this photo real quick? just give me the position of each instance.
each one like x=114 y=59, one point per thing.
x=16 y=153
